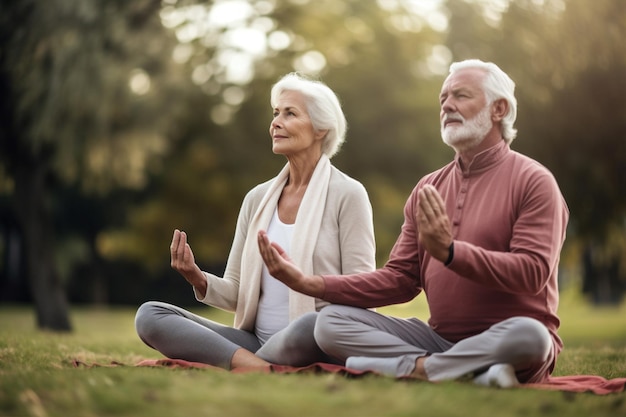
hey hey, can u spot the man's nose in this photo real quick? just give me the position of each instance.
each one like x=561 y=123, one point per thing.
x=447 y=106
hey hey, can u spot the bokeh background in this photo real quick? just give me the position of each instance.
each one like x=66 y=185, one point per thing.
x=121 y=120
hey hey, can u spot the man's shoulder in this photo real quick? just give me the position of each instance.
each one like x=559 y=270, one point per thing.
x=528 y=165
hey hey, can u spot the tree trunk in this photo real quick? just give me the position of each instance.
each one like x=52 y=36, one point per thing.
x=37 y=223
x=601 y=275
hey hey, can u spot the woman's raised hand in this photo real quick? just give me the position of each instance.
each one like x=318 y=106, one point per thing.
x=184 y=262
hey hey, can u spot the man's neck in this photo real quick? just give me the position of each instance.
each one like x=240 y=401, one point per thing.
x=466 y=156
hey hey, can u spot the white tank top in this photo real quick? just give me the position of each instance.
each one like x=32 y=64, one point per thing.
x=273 y=310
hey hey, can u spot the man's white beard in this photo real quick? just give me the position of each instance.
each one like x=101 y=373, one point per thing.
x=470 y=133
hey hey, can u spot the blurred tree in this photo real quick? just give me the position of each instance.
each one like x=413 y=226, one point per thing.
x=568 y=59
x=123 y=120
x=362 y=51
x=584 y=63
x=78 y=106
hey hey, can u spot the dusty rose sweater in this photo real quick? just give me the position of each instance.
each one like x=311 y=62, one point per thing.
x=508 y=218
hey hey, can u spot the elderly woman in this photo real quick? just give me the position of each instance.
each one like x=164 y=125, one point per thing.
x=320 y=214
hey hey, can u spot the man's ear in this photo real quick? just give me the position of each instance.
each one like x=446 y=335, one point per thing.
x=499 y=109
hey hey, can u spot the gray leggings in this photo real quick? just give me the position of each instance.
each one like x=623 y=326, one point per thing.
x=523 y=342
x=179 y=334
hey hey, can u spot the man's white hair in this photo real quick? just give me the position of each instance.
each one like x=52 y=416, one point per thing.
x=497 y=85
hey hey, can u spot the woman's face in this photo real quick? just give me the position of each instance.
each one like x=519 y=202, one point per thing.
x=291 y=129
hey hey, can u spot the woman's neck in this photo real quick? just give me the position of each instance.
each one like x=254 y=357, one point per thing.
x=300 y=172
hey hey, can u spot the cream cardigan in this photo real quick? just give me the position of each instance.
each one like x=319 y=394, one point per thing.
x=335 y=208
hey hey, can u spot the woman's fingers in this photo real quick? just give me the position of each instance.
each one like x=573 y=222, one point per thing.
x=180 y=250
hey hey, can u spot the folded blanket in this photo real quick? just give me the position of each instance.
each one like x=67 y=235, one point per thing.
x=572 y=383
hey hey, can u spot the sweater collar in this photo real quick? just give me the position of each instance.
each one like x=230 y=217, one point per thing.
x=484 y=160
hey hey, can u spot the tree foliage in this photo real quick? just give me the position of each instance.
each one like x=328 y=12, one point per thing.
x=568 y=60
x=70 y=119
x=122 y=120
x=365 y=56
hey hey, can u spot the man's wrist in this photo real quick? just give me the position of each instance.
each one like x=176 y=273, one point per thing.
x=450 y=254
x=315 y=285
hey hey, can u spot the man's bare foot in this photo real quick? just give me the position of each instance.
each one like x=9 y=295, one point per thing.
x=419 y=372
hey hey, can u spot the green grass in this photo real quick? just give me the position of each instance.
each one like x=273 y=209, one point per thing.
x=38 y=379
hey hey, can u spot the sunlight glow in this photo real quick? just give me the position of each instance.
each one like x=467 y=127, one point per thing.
x=201 y=74
x=243 y=32
x=359 y=29
x=278 y=40
x=249 y=40
x=310 y=62
x=139 y=82
x=438 y=21
x=182 y=52
x=439 y=60
x=222 y=114
x=236 y=28
x=238 y=65
x=234 y=95
x=230 y=13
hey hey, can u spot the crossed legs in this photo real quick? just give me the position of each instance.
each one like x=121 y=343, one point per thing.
x=410 y=348
x=179 y=334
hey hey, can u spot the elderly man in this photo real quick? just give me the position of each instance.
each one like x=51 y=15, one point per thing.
x=481 y=238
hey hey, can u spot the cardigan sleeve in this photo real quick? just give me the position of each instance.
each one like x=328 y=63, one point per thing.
x=222 y=292
x=356 y=231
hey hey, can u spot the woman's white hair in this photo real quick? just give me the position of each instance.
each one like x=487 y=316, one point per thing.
x=497 y=85
x=322 y=105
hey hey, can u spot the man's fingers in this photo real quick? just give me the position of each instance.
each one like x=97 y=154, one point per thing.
x=426 y=208
x=430 y=202
x=436 y=200
x=431 y=199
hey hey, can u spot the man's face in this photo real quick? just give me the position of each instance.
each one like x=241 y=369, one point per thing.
x=465 y=114
x=467 y=134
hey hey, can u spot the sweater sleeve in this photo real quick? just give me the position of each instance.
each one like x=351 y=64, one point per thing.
x=396 y=282
x=535 y=245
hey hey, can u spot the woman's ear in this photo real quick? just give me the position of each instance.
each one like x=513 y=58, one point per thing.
x=320 y=134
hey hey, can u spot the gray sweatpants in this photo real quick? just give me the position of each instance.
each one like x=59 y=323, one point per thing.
x=523 y=342
x=179 y=334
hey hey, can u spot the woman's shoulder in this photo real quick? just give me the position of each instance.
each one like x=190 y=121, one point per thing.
x=344 y=185
x=253 y=197
x=258 y=191
x=339 y=177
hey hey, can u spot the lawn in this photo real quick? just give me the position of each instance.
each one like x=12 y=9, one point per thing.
x=37 y=377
